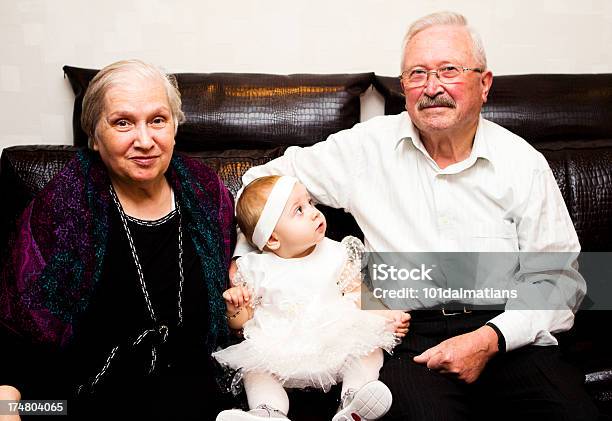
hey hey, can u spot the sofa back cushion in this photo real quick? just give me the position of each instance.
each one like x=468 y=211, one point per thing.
x=585 y=179
x=251 y=111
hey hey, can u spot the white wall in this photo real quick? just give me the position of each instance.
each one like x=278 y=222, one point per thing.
x=37 y=37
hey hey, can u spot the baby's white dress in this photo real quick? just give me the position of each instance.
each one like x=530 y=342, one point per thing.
x=304 y=331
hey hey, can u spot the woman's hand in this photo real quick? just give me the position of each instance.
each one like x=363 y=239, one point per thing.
x=11 y=394
x=236 y=298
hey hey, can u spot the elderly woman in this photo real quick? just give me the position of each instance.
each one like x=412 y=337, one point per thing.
x=118 y=265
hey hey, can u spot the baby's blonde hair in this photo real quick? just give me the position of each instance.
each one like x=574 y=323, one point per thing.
x=251 y=203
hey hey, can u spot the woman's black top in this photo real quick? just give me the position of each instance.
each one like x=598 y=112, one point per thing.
x=182 y=384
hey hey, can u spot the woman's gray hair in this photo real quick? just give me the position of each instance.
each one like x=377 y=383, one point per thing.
x=446 y=18
x=111 y=75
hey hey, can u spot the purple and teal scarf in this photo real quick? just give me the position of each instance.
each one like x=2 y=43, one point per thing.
x=57 y=254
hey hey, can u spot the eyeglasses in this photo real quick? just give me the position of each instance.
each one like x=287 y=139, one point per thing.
x=449 y=73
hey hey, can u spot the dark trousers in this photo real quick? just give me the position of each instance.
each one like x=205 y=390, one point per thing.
x=530 y=383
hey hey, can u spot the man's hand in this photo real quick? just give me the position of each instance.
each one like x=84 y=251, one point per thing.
x=236 y=298
x=464 y=356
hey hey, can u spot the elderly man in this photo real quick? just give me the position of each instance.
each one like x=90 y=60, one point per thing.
x=441 y=178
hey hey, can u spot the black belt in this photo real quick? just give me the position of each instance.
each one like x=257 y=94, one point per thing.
x=454 y=310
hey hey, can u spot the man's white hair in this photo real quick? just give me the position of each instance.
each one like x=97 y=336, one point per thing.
x=441 y=19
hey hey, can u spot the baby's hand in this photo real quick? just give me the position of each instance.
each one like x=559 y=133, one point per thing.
x=236 y=297
x=401 y=321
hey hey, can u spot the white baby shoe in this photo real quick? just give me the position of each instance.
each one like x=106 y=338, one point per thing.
x=262 y=412
x=370 y=402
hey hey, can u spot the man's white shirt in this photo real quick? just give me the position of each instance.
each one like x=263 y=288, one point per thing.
x=502 y=198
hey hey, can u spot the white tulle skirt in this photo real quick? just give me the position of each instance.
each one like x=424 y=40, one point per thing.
x=310 y=350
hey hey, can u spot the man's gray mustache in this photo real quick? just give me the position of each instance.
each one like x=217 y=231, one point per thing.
x=438 y=101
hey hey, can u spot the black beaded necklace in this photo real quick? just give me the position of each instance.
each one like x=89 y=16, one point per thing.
x=143 y=287
x=160 y=329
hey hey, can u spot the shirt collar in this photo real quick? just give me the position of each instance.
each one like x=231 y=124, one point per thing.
x=480 y=148
x=406 y=130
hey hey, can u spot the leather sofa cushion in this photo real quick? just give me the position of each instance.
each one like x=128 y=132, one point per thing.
x=251 y=111
x=584 y=177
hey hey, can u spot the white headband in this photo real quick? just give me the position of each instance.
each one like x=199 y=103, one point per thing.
x=272 y=210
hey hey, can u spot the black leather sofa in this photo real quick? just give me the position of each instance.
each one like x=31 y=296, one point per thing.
x=235 y=121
